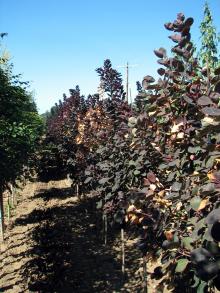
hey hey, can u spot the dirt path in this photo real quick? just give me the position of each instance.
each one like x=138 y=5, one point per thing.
x=54 y=245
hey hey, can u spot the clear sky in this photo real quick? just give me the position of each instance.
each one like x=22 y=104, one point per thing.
x=57 y=44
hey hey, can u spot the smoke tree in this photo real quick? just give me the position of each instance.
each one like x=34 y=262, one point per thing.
x=111 y=80
x=155 y=168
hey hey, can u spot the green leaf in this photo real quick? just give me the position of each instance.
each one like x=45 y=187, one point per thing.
x=186 y=243
x=181 y=265
x=210 y=162
x=162 y=166
x=201 y=288
x=196 y=280
x=132 y=121
x=195 y=190
x=131 y=163
x=136 y=172
x=194 y=150
x=171 y=176
x=195 y=202
x=99 y=204
x=103 y=180
x=108 y=196
x=88 y=179
x=176 y=186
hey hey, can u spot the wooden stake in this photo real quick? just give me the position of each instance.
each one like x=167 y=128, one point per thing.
x=77 y=190
x=1 y=218
x=8 y=207
x=122 y=252
x=105 y=228
x=145 y=273
x=13 y=196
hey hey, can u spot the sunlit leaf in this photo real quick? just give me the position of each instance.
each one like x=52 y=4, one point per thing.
x=202 y=204
x=181 y=265
x=103 y=180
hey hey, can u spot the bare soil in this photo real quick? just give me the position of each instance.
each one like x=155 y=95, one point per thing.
x=54 y=244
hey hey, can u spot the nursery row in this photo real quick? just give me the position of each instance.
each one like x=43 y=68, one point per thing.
x=154 y=165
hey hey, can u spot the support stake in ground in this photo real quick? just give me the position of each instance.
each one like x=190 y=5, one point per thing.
x=145 y=274
x=122 y=252
x=1 y=217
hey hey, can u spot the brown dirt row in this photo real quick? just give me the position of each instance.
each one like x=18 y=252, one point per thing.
x=54 y=244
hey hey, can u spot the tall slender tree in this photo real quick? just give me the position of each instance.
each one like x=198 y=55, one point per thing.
x=208 y=54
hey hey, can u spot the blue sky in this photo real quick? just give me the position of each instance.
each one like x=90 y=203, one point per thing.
x=57 y=44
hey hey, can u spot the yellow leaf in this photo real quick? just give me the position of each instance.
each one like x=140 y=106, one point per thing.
x=131 y=208
x=178 y=206
x=151 y=113
x=175 y=127
x=203 y=204
x=141 y=219
x=195 y=173
x=211 y=176
x=134 y=219
x=161 y=193
x=180 y=135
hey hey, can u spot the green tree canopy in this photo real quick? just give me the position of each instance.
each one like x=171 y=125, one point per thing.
x=20 y=125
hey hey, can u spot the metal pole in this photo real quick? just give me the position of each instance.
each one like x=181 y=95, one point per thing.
x=127 y=67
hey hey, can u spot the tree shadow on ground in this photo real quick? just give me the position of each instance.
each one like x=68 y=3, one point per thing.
x=54 y=193
x=68 y=254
